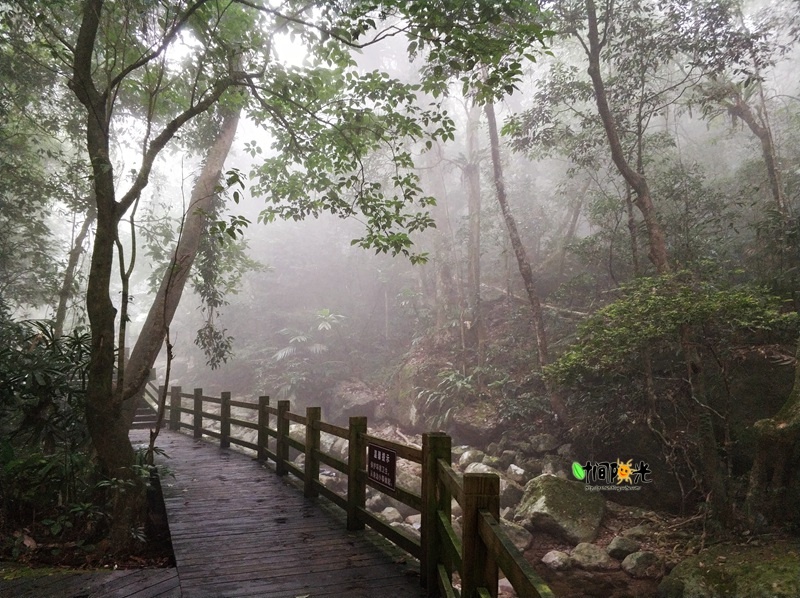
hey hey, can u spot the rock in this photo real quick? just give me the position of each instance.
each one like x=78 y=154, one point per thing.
x=592 y=558
x=507 y=458
x=511 y=493
x=639 y=532
x=354 y=397
x=642 y=564
x=558 y=561
x=621 y=546
x=480 y=468
x=544 y=443
x=565 y=450
x=521 y=537
x=414 y=521
x=376 y=503
x=492 y=449
x=392 y=515
x=469 y=457
x=748 y=571
x=516 y=474
x=561 y=507
x=491 y=461
x=504 y=587
x=671 y=588
x=476 y=424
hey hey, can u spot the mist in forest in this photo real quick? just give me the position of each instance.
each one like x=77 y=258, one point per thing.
x=574 y=221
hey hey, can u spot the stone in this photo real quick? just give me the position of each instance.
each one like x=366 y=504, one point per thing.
x=491 y=461
x=521 y=537
x=772 y=569
x=642 y=564
x=544 y=443
x=592 y=558
x=562 y=508
x=622 y=546
x=507 y=458
x=639 y=532
x=354 y=397
x=376 y=503
x=565 y=450
x=392 y=515
x=516 y=474
x=414 y=521
x=558 y=561
x=469 y=457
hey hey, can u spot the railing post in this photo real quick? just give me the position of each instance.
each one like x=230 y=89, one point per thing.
x=225 y=421
x=174 y=406
x=282 y=449
x=435 y=446
x=263 y=426
x=479 y=569
x=198 y=413
x=313 y=416
x=356 y=482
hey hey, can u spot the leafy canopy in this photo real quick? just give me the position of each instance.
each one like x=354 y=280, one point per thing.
x=650 y=313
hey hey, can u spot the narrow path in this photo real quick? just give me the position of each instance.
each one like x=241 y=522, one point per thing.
x=240 y=530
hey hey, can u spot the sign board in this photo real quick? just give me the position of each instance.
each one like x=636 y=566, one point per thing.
x=381 y=466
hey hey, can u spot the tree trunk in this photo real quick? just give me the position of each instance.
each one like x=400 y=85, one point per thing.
x=739 y=108
x=773 y=489
x=556 y=400
x=637 y=181
x=65 y=294
x=472 y=175
x=151 y=338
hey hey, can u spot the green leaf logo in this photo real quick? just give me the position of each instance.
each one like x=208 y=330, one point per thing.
x=578 y=471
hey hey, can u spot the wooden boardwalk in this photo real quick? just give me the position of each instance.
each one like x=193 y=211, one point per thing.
x=240 y=530
x=55 y=583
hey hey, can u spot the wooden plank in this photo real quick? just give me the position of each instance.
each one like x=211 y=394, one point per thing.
x=337 y=464
x=451 y=480
x=404 y=496
x=295 y=417
x=331 y=429
x=520 y=573
x=244 y=423
x=245 y=405
x=451 y=549
x=239 y=530
x=445 y=585
x=296 y=444
x=393 y=534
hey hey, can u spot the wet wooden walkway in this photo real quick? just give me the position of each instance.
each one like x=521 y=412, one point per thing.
x=240 y=530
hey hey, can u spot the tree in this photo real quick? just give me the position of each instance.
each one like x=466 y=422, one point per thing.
x=121 y=63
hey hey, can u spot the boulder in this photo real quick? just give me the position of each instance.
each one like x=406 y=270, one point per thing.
x=521 y=537
x=516 y=474
x=558 y=561
x=734 y=570
x=562 y=508
x=492 y=461
x=592 y=558
x=392 y=515
x=353 y=397
x=407 y=529
x=638 y=532
x=544 y=443
x=642 y=564
x=507 y=458
x=621 y=546
x=469 y=457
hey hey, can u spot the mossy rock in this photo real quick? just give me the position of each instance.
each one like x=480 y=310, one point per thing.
x=737 y=571
x=562 y=508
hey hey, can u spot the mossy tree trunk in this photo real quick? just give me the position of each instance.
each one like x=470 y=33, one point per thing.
x=773 y=493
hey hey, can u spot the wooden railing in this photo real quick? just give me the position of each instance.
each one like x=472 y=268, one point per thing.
x=478 y=556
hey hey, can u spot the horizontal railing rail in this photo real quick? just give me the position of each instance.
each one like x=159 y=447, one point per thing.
x=478 y=555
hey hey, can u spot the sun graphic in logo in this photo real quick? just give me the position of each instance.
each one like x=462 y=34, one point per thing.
x=624 y=472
